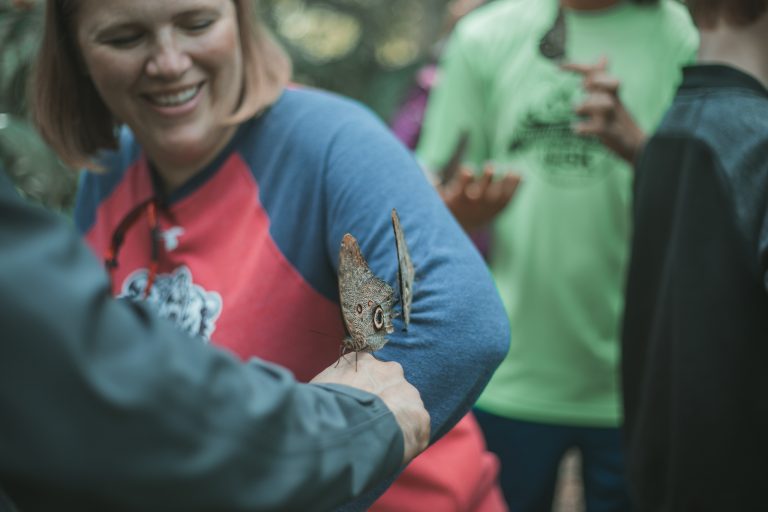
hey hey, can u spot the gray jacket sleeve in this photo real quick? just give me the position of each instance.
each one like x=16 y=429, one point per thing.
x=104 y=406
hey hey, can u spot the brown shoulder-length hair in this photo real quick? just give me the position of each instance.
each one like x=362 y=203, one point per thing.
x=75 y=122
x=707 y=13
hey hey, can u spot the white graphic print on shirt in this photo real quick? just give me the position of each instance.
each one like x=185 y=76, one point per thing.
x=177 y=297
x=171 y=237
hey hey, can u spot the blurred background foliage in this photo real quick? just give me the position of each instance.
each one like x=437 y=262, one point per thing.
x=35 y=169
x=365 y=49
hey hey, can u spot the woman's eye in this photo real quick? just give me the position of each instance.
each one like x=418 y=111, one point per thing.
x=123 y=41
x=198 y=25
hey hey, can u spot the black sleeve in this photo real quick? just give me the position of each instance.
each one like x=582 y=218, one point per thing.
x=104 y=406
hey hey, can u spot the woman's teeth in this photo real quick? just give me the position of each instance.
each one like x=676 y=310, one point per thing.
x=175 y=99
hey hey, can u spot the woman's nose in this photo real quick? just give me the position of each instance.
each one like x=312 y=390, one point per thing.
x=168 y=59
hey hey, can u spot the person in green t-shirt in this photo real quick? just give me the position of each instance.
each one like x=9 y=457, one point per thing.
x=559 y=249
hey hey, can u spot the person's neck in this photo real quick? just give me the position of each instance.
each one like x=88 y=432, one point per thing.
x=588 y=5
x=175 y=168
x=745 y=48
x=174 y=176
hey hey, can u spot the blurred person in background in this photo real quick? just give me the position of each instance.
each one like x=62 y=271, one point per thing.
x=224 y=197
x=696 y=319
x=536 y=86
x=408 y=118
x=407 y=123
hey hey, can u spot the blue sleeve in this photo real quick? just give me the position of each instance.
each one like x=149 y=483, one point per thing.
x=94 y=187
x=459 y=330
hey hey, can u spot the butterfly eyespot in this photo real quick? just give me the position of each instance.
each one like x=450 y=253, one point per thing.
x=359 y=309
x=378 y=318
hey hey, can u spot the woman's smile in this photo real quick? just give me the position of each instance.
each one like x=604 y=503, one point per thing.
x=174 y=99
x=175 y=102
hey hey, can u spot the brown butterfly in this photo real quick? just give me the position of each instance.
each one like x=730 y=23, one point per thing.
x=405 y=270
x=366 y=300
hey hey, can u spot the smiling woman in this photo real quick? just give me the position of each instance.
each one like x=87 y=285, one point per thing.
x=225 y=197
x=174 y=75
x=106 y=63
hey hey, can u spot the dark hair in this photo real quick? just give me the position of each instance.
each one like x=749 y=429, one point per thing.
x=73 y=119
x=707 y=13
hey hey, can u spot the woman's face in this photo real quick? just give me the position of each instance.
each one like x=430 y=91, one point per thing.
x=171 y=69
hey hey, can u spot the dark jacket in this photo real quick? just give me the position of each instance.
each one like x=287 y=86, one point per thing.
x=104 y=406
x=696 y=323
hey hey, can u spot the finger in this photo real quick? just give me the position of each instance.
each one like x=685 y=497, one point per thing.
x=457 y=194
x=602 y=82
x=445 y=194
x=581 y=69
x=458 y=184
x=597 y=104
x=503 y=190
x=596 y=125
x=511 y=182
x=494 y=192
x=586 y=69
x=485 y=180
x=602 y=63
x=464 y=179
x=474 y=191
x=363 y=357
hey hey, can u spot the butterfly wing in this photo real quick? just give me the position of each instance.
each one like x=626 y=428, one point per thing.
x=366 y=300
x=405 y=270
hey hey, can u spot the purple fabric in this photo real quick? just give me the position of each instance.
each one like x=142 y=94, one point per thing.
x=407 y=121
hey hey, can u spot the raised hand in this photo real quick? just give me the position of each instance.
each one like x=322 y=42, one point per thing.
x=476 y=200
x=604 y=113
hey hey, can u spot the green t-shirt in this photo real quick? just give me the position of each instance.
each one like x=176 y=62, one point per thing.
x=559 y=250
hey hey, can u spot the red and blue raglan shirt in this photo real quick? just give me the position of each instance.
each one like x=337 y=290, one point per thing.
x=249 y=254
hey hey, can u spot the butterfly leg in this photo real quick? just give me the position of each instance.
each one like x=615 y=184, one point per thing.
x=342 y=352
